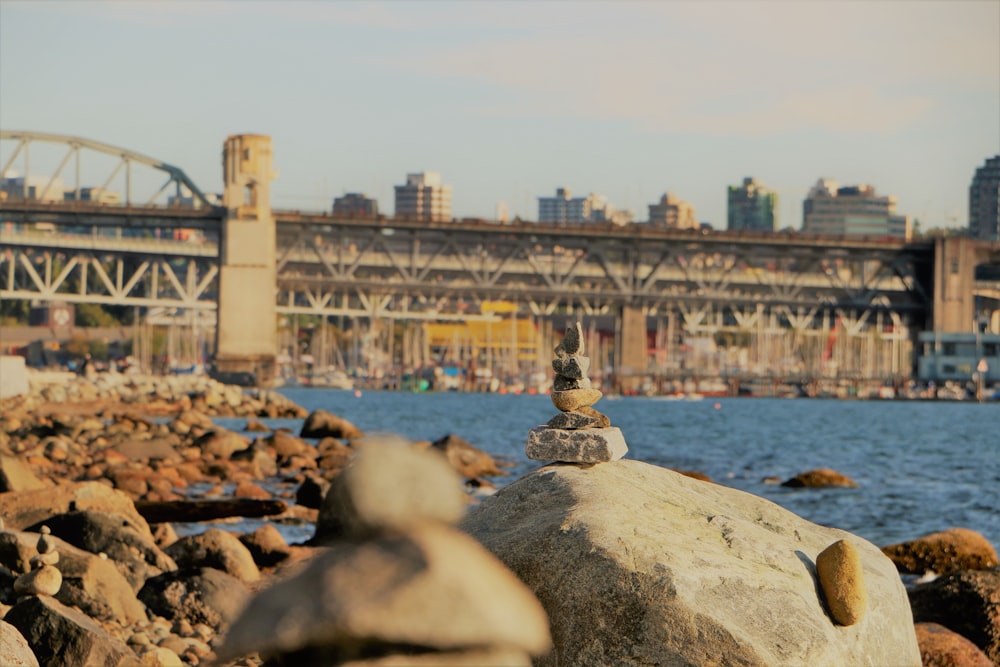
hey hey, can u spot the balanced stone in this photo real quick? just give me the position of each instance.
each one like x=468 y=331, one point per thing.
x=571 y=367
x=589 y=445
x=563 y=383
x=573 y=399
x=44 y=580
x=572 y=342
x=585 y=417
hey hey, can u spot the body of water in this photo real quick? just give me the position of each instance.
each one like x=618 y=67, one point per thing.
x=920 y=466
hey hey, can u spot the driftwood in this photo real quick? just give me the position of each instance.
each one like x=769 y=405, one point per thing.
x=156 y=511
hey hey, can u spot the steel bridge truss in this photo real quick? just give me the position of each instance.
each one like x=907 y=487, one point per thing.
x=407 y=272
x=74 y=147
x=109 y=278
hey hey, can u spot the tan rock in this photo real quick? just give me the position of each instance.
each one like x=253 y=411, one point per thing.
x=842 y=580
x=574 y=399
x=940 y=647
x=944 y=552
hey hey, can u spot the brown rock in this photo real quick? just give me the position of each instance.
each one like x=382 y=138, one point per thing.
x=966 y=602
x=322 y=424
x=469 y=461
x=574 y=399
x=255 y=426
x=222 y=443
x=218 y=549
x=943 y=552
x=842 y=581
x=16 y=475
x=585 y=417
x=940 y=647
x=247 y=489
x=24 y=508
x=266 y=545
x=820 y=478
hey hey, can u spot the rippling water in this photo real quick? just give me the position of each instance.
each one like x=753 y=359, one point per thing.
x=921 y=466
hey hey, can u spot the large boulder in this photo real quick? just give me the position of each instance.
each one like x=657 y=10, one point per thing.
x=944 y=552
x=132 y=549
x=636 y=564
x=215 y=548
x=60 y=636
x=429 y=587
x=21 y=509
x=14 y=648
x=966 y=602
x=202 y=595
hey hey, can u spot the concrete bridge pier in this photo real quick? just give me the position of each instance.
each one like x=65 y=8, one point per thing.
x=246 y=333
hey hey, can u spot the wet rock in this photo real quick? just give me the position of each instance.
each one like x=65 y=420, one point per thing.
x=940 y=647
x=469 y=461
x=215 y=548
x=943 y=552
x=966 y=602
x=323 y=424
x=202 y=595
x=59 y=635
x=819 y=478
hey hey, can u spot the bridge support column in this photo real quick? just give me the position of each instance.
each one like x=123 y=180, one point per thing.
x=246 y=333
x=631 y=359
x=954 y=279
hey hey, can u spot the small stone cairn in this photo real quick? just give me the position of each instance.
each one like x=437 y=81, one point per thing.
x=44 y=578
x=579 y=433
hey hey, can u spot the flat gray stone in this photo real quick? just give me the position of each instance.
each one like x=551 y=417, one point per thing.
x=590 y=445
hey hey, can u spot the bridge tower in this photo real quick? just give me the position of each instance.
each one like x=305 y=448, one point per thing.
x=246 y=333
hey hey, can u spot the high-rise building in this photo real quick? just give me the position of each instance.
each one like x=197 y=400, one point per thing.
x=355 y=205
x=851 y=211
x=564 y=207
x=672 y=213
x=984 y=201
x=752 y=207
x=424 y=197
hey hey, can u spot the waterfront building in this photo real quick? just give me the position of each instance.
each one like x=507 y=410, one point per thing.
x=564 y=207
x=355 y=205
x=984 y=201
x=959 y=356
x=671 y=212
x=852 y=210
x=751 y=207
x=424 y=197
x=96 y=195
x=41 y=188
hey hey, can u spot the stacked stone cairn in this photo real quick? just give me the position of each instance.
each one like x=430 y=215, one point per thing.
x=400 y=584
x=579 y=433
x=44 y=578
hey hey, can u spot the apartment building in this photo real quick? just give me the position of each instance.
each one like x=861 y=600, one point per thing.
x=854 y=210
x=984 y=201
x=424 y=197
x=751 y=207
x=672 y=212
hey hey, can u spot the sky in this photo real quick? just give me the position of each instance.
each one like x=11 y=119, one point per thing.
x=510 y=100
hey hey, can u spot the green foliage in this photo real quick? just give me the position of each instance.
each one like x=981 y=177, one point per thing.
x=93 y=315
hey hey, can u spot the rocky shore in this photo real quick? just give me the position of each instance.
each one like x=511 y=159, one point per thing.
x=97 y=473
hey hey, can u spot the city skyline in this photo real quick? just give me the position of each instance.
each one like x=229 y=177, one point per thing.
x=509 y=102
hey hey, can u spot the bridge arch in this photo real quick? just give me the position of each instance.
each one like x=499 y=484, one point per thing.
x=125 y=160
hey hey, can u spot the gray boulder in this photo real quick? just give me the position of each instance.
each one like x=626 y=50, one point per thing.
x=429 y=587
x=636 y=564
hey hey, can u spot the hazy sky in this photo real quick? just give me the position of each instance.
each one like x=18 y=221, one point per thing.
x=510 y=100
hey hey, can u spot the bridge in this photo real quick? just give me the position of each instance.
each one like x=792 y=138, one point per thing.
x=814 y=305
